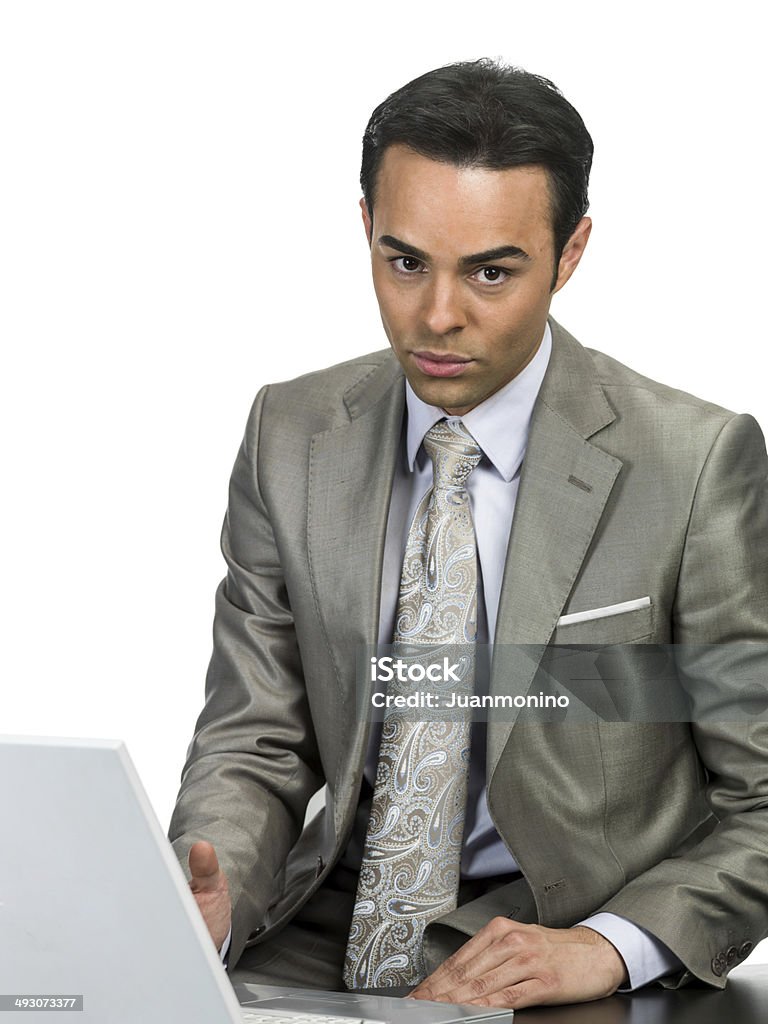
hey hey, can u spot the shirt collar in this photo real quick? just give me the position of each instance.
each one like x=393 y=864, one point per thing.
x=499 y=424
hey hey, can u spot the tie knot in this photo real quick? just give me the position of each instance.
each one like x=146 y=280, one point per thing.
x=454 y=453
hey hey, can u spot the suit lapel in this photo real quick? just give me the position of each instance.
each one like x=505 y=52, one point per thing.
x=350 y=482
x=564 y=486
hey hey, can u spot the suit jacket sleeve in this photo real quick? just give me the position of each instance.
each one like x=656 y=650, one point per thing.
x=709 y=904
x=253 y=763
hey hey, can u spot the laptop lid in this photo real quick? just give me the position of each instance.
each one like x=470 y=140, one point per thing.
x=93 y=901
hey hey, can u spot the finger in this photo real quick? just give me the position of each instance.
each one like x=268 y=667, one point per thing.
x=507 y=961
x=464 y=954
x=204 y=867
x=495 y=984
x=531 y=992
x=481 y=953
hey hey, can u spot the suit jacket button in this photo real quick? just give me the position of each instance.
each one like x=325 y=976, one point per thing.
x=745 y=949
x=717 y=966
x=731 y=955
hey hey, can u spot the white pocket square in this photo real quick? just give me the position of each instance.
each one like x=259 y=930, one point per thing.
x=601 y=613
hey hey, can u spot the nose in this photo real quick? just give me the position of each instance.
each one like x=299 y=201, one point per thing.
x=444 y=311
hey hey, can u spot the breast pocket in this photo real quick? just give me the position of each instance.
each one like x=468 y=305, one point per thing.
x=594 y=628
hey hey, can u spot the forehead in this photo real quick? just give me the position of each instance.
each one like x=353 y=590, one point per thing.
x=444 y=208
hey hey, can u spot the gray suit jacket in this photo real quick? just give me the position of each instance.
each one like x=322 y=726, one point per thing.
x=629 y=489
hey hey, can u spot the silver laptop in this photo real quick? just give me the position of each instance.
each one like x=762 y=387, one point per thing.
x=97 y=920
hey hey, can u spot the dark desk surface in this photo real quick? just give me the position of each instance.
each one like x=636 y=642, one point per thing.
x=743 y=1001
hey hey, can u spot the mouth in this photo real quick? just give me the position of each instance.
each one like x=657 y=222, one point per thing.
x=441 y=364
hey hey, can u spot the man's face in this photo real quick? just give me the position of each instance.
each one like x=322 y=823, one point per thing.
x=462 y=263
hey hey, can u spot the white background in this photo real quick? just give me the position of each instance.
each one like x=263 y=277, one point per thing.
x=179 y=225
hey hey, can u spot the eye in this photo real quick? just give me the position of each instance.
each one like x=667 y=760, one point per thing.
x=491 y=275
x=406 y=265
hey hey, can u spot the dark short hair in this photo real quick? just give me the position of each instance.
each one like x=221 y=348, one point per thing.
x=486 y=114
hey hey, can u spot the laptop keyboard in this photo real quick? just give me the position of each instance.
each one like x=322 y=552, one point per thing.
x=291 y=1017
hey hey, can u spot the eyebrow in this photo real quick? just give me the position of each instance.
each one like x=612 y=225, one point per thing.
x=487 y=256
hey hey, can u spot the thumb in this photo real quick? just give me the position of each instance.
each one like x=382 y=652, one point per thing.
x=204 y=867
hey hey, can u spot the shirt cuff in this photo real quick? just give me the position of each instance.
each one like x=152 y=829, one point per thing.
x=645 y=957
x=225 y=946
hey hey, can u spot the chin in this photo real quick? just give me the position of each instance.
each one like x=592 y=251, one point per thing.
x=440 y=397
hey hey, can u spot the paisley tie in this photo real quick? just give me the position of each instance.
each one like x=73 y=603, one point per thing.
x=410 y=869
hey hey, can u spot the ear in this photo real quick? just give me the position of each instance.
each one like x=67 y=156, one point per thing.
x=572 y=253
x=367 y=220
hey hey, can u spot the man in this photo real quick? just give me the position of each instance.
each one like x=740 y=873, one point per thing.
x=605 y=509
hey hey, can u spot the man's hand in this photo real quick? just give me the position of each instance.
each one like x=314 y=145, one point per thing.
x=209 y=885
x=515 y=965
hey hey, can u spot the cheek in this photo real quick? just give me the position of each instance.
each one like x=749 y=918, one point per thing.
x=524 y=308
x=391 y=319
x=383 y=289
x=508 y=332
x=397 y=308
